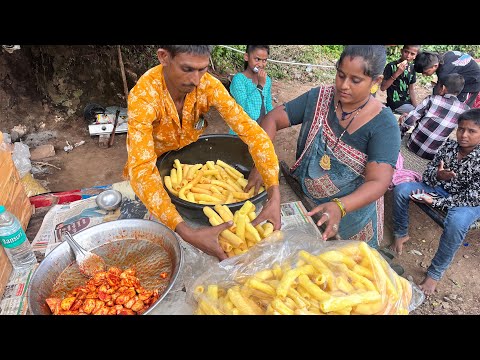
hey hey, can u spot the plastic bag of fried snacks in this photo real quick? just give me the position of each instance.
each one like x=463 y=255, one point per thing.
x=297 y=273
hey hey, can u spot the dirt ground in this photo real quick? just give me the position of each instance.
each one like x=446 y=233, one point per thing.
x=89 y=165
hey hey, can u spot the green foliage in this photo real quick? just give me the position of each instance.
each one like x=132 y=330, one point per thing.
x=333 y=51
x=230 y=62
x=394 y=53
x=227 y=60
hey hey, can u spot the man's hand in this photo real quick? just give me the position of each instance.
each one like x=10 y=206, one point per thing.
x=421 y=196
x=271 y=209
x=400 y=69
x=444 y=174
x=204 y=238
x=254 y=180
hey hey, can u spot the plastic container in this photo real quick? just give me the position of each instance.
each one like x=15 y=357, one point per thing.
x=15 y=242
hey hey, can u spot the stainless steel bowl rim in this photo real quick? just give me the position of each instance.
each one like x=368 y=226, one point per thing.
x=86 y=239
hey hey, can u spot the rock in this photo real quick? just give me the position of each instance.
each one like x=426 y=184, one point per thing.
x=20 y=129
x=14 y=136
x=466 y=256
x=410 y=278
x=424 y=265
x=452 y=296
x=42 y=152
x=103 y=140
x=40 y=138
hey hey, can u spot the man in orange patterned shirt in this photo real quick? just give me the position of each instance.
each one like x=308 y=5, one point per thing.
x=165 y=112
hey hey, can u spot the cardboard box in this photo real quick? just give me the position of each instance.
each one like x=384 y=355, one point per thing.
x=15 y=200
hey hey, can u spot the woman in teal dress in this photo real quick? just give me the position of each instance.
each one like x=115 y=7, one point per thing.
x=347 y=147
x=252 y=88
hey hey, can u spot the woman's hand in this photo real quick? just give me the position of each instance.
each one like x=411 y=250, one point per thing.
x=271 y=209
x=262 y=77
x=331 y=215
x=204 y=238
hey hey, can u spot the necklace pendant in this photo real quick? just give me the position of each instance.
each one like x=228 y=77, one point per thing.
x=325 y=162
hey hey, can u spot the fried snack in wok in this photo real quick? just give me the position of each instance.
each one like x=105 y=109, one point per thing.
x=112 y=292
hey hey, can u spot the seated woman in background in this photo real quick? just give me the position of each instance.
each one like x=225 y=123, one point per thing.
x=252 y=88
x=347 y=147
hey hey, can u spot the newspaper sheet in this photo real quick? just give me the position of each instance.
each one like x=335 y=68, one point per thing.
x=294 y=214
x=14 y=299
x=78 y=216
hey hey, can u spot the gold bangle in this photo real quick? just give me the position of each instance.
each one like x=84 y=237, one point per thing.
x=340 y=205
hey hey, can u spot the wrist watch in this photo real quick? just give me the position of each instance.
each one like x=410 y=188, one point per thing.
x=259 y=87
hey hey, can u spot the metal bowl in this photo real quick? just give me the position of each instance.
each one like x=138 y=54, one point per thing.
x=148 y=245
x=109 y=199
x=228 y=148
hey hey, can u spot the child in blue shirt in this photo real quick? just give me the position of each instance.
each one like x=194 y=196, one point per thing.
x=252 y=88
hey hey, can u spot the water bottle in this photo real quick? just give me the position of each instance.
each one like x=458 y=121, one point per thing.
x=15 y=242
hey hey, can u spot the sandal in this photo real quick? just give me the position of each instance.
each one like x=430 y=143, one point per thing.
x=387 y=253
x=398 y=269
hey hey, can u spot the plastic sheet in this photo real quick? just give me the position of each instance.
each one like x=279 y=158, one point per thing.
x=295 y=272
x=21 y=158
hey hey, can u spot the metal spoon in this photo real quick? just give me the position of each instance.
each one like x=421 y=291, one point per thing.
x=88 y=262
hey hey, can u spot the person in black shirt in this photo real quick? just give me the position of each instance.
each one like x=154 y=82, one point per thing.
x=399 y=78
x=449 y=62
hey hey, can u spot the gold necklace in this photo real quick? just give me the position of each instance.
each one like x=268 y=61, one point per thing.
x=325 y=162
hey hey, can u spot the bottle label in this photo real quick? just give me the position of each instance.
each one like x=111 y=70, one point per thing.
x=13 y=240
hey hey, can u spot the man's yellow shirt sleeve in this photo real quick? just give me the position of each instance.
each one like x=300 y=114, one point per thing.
x=144 y=176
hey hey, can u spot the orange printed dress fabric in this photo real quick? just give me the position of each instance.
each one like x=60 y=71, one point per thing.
x=154 y=128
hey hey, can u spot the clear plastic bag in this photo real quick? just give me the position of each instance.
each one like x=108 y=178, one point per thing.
x=294 y=272
x=21 y=158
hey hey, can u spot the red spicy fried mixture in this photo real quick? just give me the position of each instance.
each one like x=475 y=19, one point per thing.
x=111 y=292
